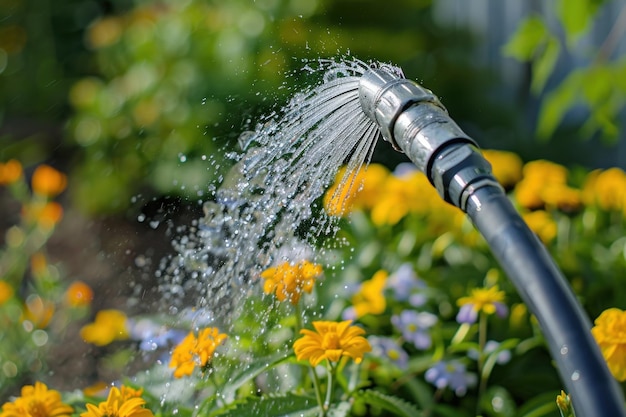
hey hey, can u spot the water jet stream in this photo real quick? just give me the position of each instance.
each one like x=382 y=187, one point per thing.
x=414 y=121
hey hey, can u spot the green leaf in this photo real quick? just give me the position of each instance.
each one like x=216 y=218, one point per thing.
x=540 y=406
x=289 y=405
x=575 y=16
x=557 y=103
x=544 y=64
x=531 y=34
x=390 y=403
x=254 y=369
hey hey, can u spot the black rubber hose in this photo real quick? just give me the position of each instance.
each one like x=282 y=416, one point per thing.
x=543 y=288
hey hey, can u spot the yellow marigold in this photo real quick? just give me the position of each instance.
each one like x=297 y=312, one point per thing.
x=506 y=166
x=47 y=181
x=194 y=351
x=108 y=326
x=78 y=294
x=370 y=299
x=610 y=334
x=532 y=190
x=331 y=340
x=119 y=404
x=37 y=401
x=542 y=223
x=607 y=189
x=10 y=172
x=357 y=189
x=289 y=281
x=6 y=291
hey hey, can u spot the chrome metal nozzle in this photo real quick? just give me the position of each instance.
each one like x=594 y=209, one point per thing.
x=385 y=95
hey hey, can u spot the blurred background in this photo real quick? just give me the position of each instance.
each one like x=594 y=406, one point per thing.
x=136 y=100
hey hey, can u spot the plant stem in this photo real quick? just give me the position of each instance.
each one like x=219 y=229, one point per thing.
x=482 y=341
x=330 y=385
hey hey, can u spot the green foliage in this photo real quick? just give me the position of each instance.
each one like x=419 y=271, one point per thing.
x=289 y=405
x=591 y=86
x=394 y=405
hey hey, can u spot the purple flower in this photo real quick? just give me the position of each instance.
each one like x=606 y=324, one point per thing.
x=491 y=346
x=385 y=347
x=450 y=374
x=152 y=336
x=414 y=327
x=406 y=286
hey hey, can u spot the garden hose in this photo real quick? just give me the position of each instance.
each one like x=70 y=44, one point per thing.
x=414 y=121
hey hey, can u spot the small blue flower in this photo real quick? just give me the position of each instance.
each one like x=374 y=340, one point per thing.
x=451 y=374
x=491 y=346
x=414 y=327
x=406 y=286
x=385 y=347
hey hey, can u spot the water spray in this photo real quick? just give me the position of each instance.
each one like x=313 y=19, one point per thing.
x=415 y=122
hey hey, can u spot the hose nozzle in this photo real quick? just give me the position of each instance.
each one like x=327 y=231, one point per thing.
x=415 y=122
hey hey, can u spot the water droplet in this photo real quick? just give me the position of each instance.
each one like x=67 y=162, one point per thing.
x=564 y=350
x=575 y=376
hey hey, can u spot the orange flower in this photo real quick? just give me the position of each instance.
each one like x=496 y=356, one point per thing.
x=78 y=294
x=47 y=181
x=46 y=215
x=38 y=311
x=10 y=172
x=289 y=281
x=195 y=351
x=332 y=341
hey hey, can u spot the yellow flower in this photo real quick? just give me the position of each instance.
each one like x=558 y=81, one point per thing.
x=487 y=300
x=192 y=351
x=545 y=183
x=370 y=299
x=564 y=404
x=119 y=404
x=47 y=181
x=37 y=401
x=506 y=166
x=540 y=222
x=610 y=333
x=354 y=190
x=78 y=294
x=10 y=172
x=607 y=189
x=331 y=340
x=289 y=281
x=108 y=326
x=6 y=291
